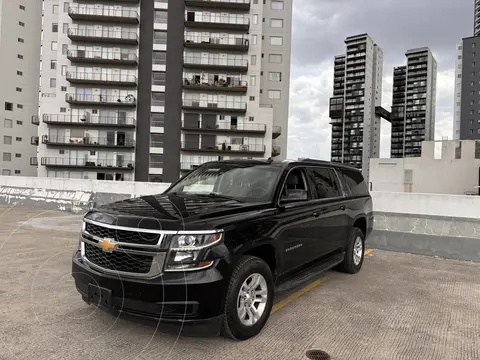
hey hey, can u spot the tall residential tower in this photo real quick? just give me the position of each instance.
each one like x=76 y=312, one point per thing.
x=413 y=105
x=357 y=91
x=20 y=26
x=147 y=90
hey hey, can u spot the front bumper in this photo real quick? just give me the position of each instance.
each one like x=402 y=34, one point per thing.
x=194 y=300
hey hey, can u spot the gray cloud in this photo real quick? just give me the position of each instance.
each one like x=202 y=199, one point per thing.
x=319 y=29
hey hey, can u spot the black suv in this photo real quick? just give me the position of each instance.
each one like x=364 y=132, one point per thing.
x=218 y=245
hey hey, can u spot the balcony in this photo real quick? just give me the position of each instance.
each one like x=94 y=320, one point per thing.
x=215 y=21
x=35 y=120
x=103 y=57
x=34 y=161
x=101 y=100
x=276 y=150
x=224 y=148
x=101 y=79
x=276 y=131
x=93 y=165
x=116 y=1
x=229 y=43
x=103 y=14
x=234 y=86
x=89 y=120
x=205 y=64
x=105 y=36
x=88 y=142
x=220 y=4
x=227 y=128
x=217 y=107
x=34 y=140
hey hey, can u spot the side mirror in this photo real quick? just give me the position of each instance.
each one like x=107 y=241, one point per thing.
x=295 y=195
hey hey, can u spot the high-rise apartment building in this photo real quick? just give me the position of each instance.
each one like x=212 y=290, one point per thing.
x=413 y=104
x=357 y=91
x=20 y=25
x=457 y=105
x=476 y=23
x=146 y=90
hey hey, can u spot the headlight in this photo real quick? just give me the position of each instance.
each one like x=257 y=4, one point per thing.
x=187 y=251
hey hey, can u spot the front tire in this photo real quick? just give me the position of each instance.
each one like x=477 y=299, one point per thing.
x=249 y=299
x=353 y=261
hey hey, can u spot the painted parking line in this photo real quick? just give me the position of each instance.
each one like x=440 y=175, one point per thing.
x=282 y=303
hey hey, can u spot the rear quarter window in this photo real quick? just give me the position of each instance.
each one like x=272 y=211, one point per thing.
x=354 y=182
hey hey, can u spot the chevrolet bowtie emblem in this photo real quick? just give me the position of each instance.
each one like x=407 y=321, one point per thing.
x=107 y=244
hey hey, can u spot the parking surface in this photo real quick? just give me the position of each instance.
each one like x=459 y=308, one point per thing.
x=399 y=306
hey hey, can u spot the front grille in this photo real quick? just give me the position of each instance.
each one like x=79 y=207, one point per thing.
x=131 y=237
x=118 y=261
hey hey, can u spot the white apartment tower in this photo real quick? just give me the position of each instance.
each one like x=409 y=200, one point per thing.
x=357 y=92
x=20 y=25
x=111 y=110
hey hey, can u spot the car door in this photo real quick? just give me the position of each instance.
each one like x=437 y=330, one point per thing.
x=296 y=223
x=331 y=226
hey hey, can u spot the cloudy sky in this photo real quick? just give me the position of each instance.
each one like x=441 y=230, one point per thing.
x=319 y=30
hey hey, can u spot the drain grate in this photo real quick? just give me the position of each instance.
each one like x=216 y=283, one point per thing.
x=317 y=355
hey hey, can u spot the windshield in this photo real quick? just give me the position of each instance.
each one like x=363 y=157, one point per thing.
x=252 y=183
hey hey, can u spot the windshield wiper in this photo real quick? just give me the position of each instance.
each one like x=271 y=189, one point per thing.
x=219 y=196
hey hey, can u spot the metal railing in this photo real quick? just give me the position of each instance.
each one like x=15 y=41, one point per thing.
x=104 y=33
x=58 y=161
x=218 y=19
x=110 y=99
x=189 y=165
x=90 y=76
x=216 y=40
x=87 y=119
x=234 y=83
x=243 y=126
x=234 y=105
x=103 y=55
x=215 y=61
x=87 y=140
x=104 y=10
x=191 y=145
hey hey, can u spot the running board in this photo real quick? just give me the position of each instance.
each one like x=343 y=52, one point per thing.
x=310 y=273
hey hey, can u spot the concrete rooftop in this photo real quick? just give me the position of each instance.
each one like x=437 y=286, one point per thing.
x=399 y=306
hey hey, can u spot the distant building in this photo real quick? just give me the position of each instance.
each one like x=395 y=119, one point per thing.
x=444 y=167
x=357 y=92
x=457 y=102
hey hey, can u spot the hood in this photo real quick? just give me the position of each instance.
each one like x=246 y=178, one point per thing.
x=170 y=212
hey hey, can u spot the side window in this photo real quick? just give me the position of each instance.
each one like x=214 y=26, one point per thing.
x=355 y=182
x=323 y=182
x=295 y=183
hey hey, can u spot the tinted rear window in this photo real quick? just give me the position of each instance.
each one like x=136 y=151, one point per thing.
x=355 y=182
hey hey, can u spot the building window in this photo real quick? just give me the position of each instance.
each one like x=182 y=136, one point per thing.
x=251 y=98
x=274 y=76
x=253 y=80
x=159 y=37
x=276 y=5
x=159 y=57
x=64 y=88
x=274 y=94
x=53 y=82
x=61 y=152
x=156 y=140
x=157 y=119
x=251 y=118
x=254 y=39
x=158 y=99
x=19 y=56
x=19 y=122
x=276 y=40
x=8 y=123
x=276 y=23
x=62 y=109
x=7 y=140
x=19 y=73
x=471 y=131
x=471 y=121
x=8 y=106
x=65 y=28
x=254 y=60
x=64 y=70
x=161 y=16
x=18 y=155
x=20 y=40
x=53 y=64
x=19 y=89
x=6 y=172
x=22 y=7
x=158 y=78
x=275 y=58
x=17 y=172
x=54 y=46
x=18 y=139
x=7 y=156
x=19 y=106
x=55 y=27
x=55 y=9
x=64 y=49
x=66 y=5
x=156 y=161
x=255 y=19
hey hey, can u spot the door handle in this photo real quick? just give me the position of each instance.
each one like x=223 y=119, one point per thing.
x=316 y=214
x=343 y=207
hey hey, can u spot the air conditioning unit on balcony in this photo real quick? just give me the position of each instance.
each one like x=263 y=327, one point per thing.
x=85 y=117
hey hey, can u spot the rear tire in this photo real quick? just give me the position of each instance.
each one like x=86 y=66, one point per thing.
x=353 y=261
x=244 y=296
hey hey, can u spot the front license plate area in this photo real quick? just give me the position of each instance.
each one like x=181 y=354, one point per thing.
x=99 y=296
